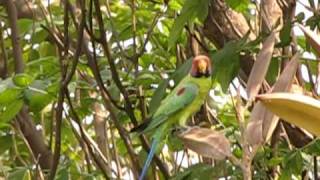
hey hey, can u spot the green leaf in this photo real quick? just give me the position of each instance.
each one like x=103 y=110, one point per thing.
x=37 y=99
x=191 y=10
x=47 y=49
x=275 y=161
x=22 y=80
x=126 y=33
x=145 y=60
x=21 y=173
x=313 y=148
x=24 y=25
x=273 y=71
x=312 y=22
x=198 y=171
x=285 y=35
x=6 y=143
x=226 y=63
x=39 y=35
x=147 y=78
x=43 y=60
x=178 y=27
x=174 y=143
x=285 y=175
x=238 y=5
x=300 y=17
x=5 y=84
x=202 y=9
x=293 y=164
x=301 y=40
x=63 y=173
x=9 y=95
x=182 y=71
x=10 y=111
x=114 y=92
x=174 y=5
x=45 y=66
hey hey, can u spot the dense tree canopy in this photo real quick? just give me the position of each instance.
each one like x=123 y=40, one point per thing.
x=77 y=75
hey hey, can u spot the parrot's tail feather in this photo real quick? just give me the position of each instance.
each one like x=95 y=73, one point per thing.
x=149 y=158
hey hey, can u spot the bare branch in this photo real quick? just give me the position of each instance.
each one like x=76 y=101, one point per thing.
x=13 y=18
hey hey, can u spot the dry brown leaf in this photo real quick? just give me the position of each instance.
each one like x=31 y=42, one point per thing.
x=253 y=132
x=271 y=14
x=283 y=84
x=262 y=122
x=207 y=142
x=312 y=38
x=286 y=78
x=300 y=110
x=260 y=67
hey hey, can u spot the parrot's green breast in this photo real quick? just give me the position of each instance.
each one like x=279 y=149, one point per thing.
x=183 y=115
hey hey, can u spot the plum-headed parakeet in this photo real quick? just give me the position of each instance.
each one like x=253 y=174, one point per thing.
x=185 y=100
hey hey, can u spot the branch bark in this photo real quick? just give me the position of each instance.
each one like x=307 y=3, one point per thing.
x=4 y=57
x=13 y=18
x=100 y=128
x=97 y=155
x=224 y=24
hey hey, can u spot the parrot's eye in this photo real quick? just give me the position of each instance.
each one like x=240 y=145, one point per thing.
x=201 y=67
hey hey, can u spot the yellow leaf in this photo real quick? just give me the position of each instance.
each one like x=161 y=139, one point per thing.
x=300 y=110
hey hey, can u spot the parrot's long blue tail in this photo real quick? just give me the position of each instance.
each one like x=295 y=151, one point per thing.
x=153 y=148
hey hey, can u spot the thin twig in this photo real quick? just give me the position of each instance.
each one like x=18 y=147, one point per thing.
x=197 y=39
x=114 y=73
x=149 y=33
x=83 y=146
x=315 y=167
x=4 y=59
x=115 y=32
x=65 y=79
x=98 y=160
x=134 y=27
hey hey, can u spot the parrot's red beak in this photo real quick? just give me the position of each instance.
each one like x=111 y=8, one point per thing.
x=201 y=66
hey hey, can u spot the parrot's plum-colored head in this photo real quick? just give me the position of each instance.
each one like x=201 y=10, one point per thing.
x=201 y=66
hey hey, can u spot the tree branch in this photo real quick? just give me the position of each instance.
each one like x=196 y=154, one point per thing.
x=13 y=18
x=4 y=59
x=98 y=160
x=65 y=79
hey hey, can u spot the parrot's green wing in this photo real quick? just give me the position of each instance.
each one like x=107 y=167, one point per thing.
x=182 y=96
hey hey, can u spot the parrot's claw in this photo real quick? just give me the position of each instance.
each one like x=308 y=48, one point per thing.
x=182 y=129
x=189 y=128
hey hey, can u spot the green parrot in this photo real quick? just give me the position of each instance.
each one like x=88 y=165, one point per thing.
x=185 y=100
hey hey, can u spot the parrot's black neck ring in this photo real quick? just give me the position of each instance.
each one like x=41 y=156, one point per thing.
x=199 y=74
